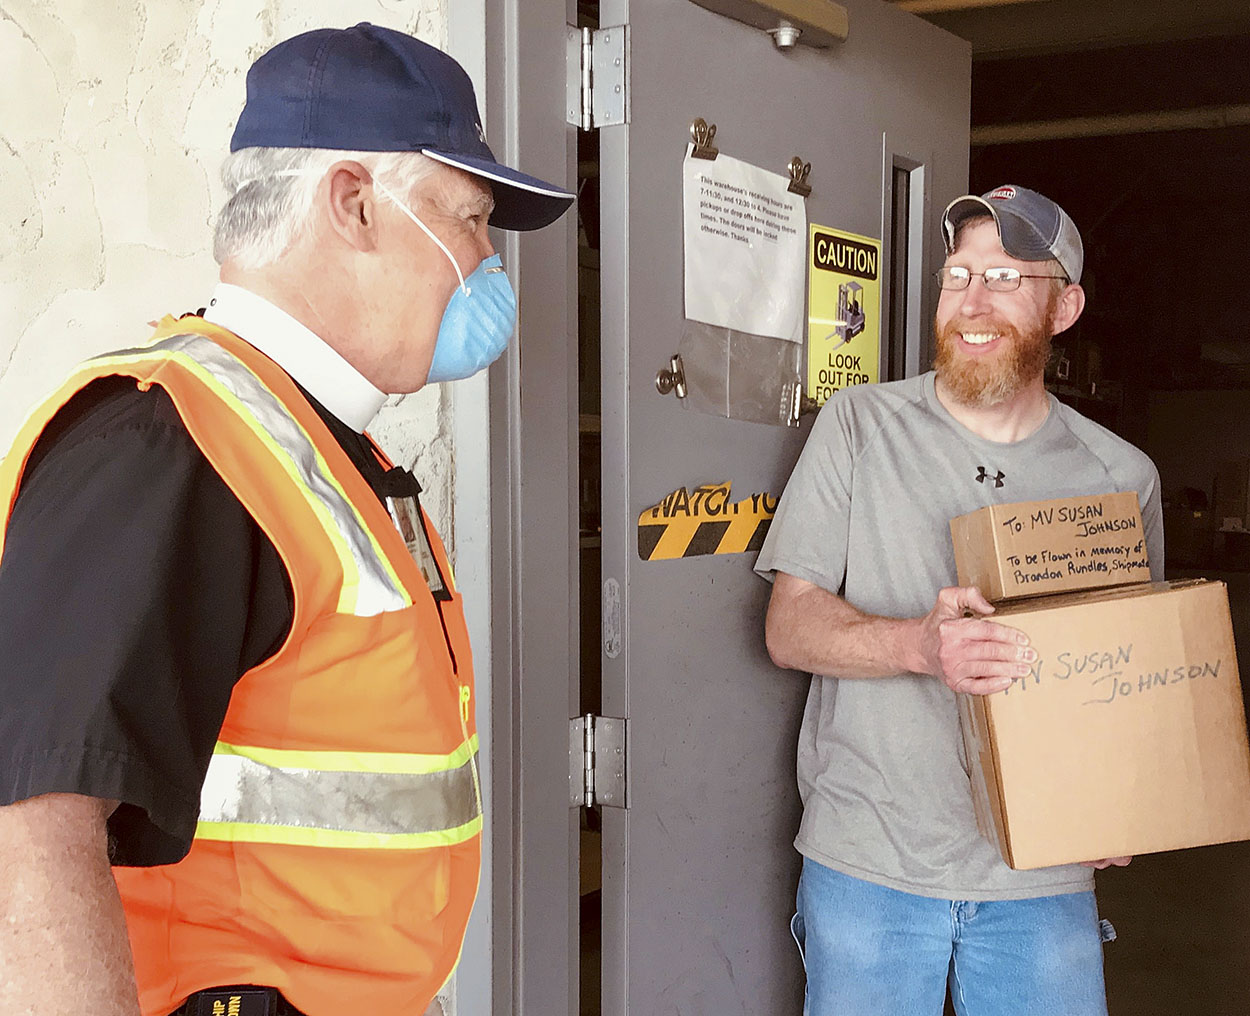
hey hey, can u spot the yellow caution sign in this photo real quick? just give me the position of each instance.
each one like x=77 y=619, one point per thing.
x=690 y=523
x=844 y=312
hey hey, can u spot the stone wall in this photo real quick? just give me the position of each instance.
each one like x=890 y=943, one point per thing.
x=114 y=117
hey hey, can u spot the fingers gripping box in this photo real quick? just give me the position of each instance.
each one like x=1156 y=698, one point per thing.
x=1128 y=737
x=1034 y=547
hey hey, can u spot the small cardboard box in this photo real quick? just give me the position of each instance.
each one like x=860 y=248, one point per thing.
x=1035 y=547
x=1128 y=737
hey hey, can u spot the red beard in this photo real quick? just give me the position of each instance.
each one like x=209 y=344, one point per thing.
x=980 y=382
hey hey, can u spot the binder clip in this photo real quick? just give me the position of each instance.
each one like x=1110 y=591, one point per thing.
x=703 y=135
x=798 y=177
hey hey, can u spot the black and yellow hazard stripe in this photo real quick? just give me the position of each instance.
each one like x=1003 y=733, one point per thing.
x=704 y=521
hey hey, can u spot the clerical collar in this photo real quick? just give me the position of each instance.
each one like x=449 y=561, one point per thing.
x=324 y=374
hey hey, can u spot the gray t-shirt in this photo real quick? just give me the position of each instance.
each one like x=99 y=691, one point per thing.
x=881 y=765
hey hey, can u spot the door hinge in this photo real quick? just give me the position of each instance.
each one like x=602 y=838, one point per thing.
x=596 y=761
x=597 y=86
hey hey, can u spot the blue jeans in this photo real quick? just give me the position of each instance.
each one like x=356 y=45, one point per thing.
x=873 y=951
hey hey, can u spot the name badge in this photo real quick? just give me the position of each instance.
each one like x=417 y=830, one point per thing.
x=408 y=519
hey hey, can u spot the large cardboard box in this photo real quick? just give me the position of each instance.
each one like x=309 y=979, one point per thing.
x=1128 y=737
x=1030 y=548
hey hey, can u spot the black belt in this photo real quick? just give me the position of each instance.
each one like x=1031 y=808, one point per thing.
x=237 y=1000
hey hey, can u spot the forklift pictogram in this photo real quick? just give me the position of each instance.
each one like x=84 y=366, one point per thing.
x=850 y=320
x=850 y=312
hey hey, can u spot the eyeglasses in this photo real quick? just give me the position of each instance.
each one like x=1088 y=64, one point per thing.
x=997 y=280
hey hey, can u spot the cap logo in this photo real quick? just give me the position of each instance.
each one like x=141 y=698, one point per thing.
x=1003 y=194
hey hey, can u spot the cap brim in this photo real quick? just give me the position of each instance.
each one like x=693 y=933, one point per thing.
x=963 y=208
x=521 y=202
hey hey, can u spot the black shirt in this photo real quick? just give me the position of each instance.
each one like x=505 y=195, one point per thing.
x=135 y=590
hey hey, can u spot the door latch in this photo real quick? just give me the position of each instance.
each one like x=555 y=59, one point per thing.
x=672 y=379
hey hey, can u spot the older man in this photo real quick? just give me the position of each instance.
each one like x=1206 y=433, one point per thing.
x=239 y=764
x=899 y=893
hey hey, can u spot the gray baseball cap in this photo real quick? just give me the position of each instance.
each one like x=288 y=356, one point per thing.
x=1031 y=227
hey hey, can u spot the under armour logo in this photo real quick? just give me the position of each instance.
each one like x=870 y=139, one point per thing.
x=982 y=476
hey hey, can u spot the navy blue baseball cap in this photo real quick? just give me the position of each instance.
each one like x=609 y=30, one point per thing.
x=374 y=89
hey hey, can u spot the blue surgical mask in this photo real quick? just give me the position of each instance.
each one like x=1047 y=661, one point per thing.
x=477 y=324
x=480 y=316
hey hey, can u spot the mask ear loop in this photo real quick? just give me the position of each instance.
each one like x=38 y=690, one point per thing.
x=426 y=230
x=402 y=207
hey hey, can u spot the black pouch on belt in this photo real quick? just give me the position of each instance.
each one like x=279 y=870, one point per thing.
x=241 y=1000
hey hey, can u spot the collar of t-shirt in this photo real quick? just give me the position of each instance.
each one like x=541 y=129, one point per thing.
x=318 y=368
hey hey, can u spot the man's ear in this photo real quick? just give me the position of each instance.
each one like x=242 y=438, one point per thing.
x=349 y=204
x=1068 y=307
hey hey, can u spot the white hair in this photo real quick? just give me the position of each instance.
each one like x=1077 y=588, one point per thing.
x=272 y=190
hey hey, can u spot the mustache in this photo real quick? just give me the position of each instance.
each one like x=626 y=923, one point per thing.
x=957 y=325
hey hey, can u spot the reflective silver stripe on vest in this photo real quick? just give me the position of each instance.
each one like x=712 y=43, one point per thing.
x=379 y=590
x=241 y=790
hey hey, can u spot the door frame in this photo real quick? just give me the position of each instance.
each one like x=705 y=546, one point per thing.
x=532 y=830
x=471 y=525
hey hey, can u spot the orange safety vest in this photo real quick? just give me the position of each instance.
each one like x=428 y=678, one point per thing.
x=337 y=853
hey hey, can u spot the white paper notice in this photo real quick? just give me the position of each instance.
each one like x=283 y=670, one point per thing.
x=746 y=243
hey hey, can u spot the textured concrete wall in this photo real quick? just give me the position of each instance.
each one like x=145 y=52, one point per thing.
x=114 y=117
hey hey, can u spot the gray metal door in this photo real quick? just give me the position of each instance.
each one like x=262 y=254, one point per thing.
x=699 y=872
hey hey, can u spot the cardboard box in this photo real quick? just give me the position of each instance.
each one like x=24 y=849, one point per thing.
x=1129 y=736
x=1031 y=548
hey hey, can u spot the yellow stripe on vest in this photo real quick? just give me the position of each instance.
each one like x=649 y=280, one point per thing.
x=354 y=761
x=370 y=586
x=296 y=836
